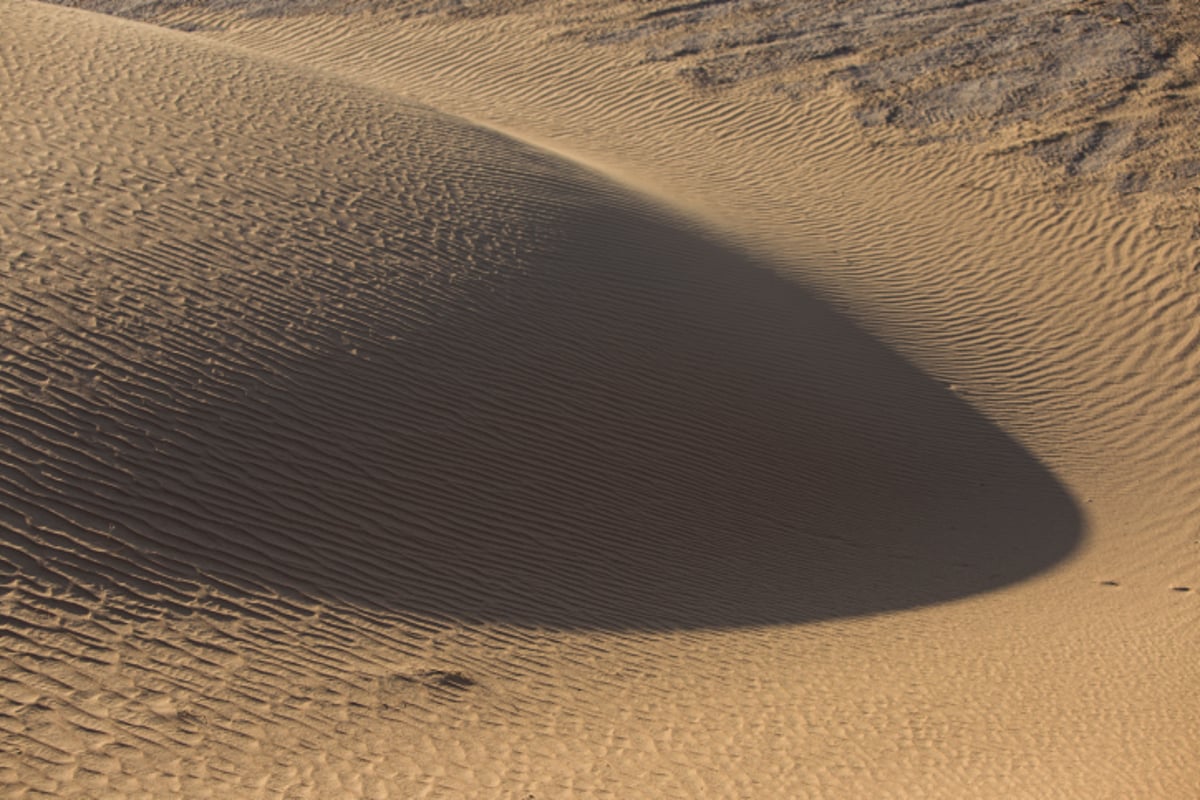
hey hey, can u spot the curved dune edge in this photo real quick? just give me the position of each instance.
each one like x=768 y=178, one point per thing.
x=272 y=353
x=238 y=376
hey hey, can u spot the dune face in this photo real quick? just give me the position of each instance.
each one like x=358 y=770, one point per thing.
x=354 y=448
x=434 y=371
x=300 y=380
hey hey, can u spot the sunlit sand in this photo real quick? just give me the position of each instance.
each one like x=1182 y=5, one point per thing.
x=569 y=399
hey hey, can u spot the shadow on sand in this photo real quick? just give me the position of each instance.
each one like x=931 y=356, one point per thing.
x=624 y=426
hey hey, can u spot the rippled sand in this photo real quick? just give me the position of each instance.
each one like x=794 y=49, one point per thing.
x=545 y=400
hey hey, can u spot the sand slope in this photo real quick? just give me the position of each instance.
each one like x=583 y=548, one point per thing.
x=621 y=441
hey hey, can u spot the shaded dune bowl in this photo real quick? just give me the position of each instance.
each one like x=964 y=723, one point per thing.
x=266 y=337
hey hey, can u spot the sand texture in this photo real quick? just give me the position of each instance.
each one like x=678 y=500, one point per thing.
x=537 y=400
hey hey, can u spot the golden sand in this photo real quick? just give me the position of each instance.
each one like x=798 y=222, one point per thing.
x=567 y=400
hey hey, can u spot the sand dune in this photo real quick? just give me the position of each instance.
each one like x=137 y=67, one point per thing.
x=447 y=406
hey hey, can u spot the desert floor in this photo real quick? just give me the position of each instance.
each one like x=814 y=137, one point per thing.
x=739 y=398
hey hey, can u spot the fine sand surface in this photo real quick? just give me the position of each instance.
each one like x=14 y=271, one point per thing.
x=539 y=400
